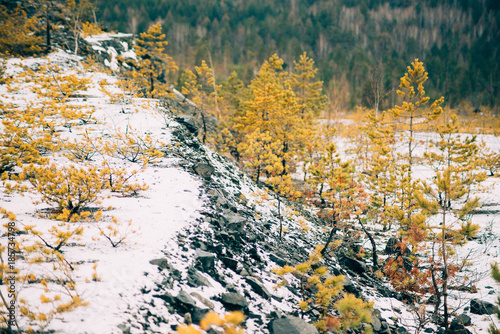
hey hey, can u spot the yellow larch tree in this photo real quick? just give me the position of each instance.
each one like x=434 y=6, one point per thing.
x=414 y=111
x=17 y=32
x=200 y=88
x=271 y=109
x=309 y=92
x=153 y=64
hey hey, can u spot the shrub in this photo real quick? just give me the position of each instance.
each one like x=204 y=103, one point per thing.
x=41 y=266
x=336 y=313
x=133 y=147
x=230 y=324
x=69 y=188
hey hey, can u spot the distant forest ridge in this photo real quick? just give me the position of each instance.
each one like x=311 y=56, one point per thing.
x=350 y=41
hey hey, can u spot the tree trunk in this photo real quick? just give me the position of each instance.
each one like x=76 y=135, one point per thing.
x=151 y=83
x=410 y=141
x=330 y=237
x=281 y=220
x=47 y=27
x=204 y=138
x=374 y=245
x=445 y=271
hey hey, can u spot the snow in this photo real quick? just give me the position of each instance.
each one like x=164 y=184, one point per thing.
x=96 y=39
x=172 y=201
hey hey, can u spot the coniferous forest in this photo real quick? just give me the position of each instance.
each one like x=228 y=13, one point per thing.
x=349 y=40
x=299 y=166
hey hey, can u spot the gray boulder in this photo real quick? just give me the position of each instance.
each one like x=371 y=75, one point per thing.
x=205 y=261
x=292 y=325
x=188 y=122
x=204 y=170
x=196 y=279
x=258 y=287
x=234 y=302
x=185 y=301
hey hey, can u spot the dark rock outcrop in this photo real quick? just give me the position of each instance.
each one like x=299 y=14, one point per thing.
x=258 y=287
x=205 y=261
x=204 y=170
x=353 y=264
x=233 y=301
x=481 y=307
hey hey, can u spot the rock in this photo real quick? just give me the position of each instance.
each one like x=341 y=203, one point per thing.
x=234 y=223
x=195 y=144
x=401 y=330
x=432 y=299
x=385 y=291
x=463 y=319
x=185 y=301
x=222 y=202
x=229 y=262
x=390 y=247
x=291 y=325
x=124 y=328
x=355 y=265
x=376 y=324
x=196 y=279
x=278 y=260
x=204 y=170
x=258 y=287
x=188 y=319
x=407 y=263
x=203 y=300
x=456 y=328
x=189 y=123
x=234 y=302
x=481 y=307
x=161 y=263
x=407 y=298
x=168 y=298
x=205 y=261
x=384 y=328
x=198 y=314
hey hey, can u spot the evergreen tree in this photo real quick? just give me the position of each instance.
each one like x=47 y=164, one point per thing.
x=413 y=112
x=455 y=162
x=200 y=88
x=17 y=32
x=309 y=93
x=342 y=197
x=381 y=165
x=271 y=110
x=153 y=64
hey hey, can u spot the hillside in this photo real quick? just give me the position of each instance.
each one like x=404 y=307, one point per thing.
x=176 y=230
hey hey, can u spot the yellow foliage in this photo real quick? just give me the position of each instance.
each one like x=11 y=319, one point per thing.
x=230 y=324
x=89 y=29
x=326 y=299
x=69 y=188
x=152 y=63
x=354 y=312
x=17 y=32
